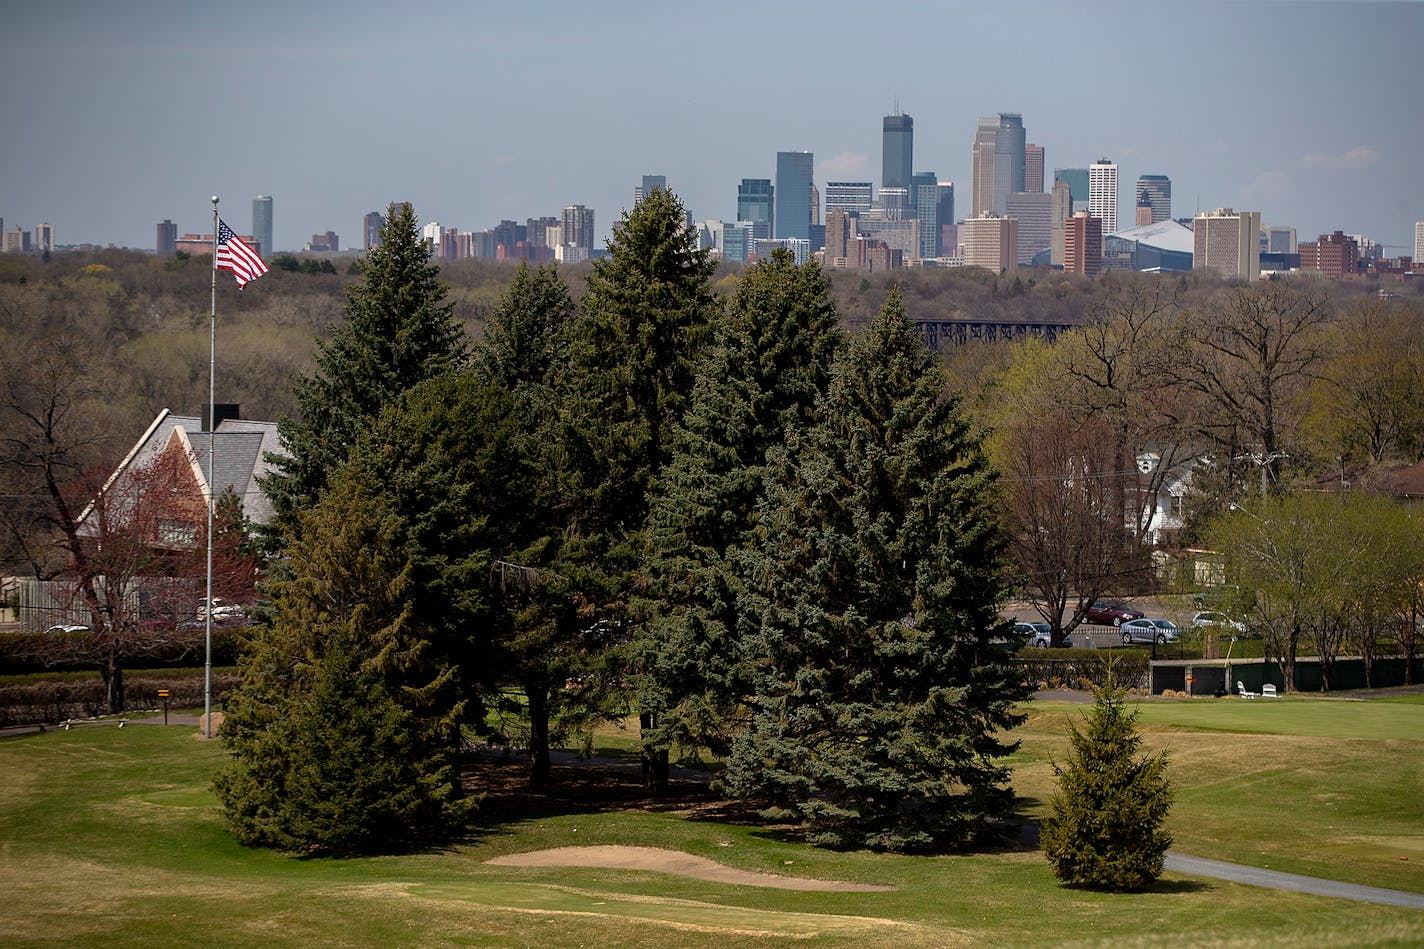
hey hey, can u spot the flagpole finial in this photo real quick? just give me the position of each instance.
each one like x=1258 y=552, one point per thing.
x=215 y=200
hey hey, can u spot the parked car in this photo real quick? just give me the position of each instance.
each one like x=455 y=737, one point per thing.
x=1040 y=634
x=1148 y=631
x=1112 y=613
x=68 y=628
x=1215 y=619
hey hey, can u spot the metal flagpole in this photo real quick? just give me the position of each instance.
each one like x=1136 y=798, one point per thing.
x=212 y=494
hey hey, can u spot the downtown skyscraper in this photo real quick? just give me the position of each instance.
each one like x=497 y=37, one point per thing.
x=1157 y=192
x=1102 y=194
x=793 y=195
x=897 y=151
x=1000 y=163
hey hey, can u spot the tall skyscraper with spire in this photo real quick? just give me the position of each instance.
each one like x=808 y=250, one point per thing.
x=898 y=149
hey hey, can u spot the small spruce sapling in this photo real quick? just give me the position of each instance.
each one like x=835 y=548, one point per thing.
x=1104 y=830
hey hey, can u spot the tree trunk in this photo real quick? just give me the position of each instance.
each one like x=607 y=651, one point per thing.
x=114 y=676
x=540 y=771
x=655 y=762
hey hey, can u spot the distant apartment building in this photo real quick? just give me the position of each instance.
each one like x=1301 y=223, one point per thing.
x=578 y=231
x=800 y=250
x=841 y=234
x=329 y=243
x=1102 y=193
x=44 y=238
x=16 y=241
x=1083 y=244
x=202 y=244
x=1034 y=212
x=262 y=224
x=1156 y=192
x=1332 y=255
x=1228 y=242
x=371 y=230
x=855 y=197
x=166 y=241
x=1418 y=244
x=990 y=242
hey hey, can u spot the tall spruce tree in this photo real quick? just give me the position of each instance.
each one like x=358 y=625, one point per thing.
x=1104 y=830
x=543 y=643
x=644 y=323
x=399 y=331
x=767 y=372
x=342 y=728
x=875 y=583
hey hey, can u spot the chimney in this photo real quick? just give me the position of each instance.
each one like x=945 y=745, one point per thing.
x=223 y=411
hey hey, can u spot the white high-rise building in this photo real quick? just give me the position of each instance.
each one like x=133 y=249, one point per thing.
x=430 y=233
x=1102 y=194
x=1418 y=245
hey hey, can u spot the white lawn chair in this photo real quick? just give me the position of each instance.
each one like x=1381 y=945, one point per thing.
x=1241 y=691
x=1269 y=691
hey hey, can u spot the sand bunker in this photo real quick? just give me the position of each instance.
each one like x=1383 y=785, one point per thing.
x=672 y=861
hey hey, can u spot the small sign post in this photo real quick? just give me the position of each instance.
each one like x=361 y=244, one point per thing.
x=163 y=694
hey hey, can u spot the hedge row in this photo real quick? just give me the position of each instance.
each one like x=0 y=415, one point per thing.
x=53 y=701
x=22 y=653
x=1079 y=668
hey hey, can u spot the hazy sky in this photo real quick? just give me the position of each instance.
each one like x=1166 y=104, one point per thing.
x=116 y=115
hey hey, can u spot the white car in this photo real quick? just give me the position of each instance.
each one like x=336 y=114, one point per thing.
x=1216 y=620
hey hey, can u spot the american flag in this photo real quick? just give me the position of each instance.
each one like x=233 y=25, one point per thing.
x=236 y=256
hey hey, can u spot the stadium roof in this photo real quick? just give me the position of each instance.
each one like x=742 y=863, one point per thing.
x=1164 y=235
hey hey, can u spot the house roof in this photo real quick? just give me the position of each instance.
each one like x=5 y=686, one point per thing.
x=239 y=449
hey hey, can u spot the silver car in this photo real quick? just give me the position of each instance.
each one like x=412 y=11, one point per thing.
x=1040 y=634
x=1148 y=631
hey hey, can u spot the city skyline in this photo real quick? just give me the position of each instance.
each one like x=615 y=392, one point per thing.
x=136 y=115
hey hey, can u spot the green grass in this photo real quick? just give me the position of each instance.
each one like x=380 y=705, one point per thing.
x=112 y=836
x=1325 y=787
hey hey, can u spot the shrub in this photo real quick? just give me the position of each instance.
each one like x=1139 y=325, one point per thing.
x=1104 y=830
